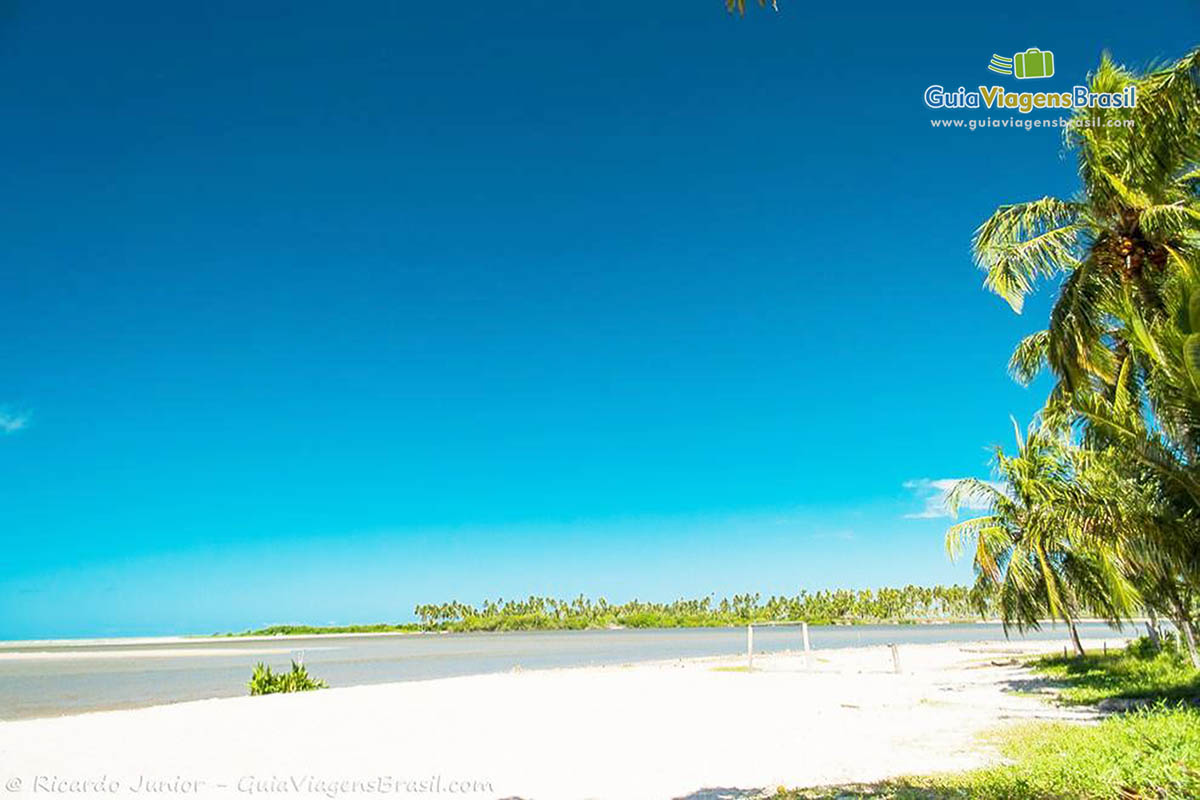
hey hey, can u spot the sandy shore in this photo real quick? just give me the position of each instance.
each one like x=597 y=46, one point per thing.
x=686 y=729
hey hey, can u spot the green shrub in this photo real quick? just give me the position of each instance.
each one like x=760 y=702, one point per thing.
x=264 y=681
x=1145 y=647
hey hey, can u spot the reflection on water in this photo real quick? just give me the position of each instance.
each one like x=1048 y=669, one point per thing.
x=68 y=679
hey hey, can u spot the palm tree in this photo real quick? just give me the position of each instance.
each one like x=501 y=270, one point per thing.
x=1153 y=453
x=1133 y=222
x=1033 y=547
x=1123 y=339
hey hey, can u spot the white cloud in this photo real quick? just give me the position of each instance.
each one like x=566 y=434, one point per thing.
x=11 y=423
x=932 y=493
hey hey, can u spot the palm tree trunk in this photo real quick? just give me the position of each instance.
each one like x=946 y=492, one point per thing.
x=1152 y=629
x=1078 y=645
x=1183 y=621
x=1189 y=637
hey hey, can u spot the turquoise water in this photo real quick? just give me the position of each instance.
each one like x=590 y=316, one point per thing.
x=70 y=678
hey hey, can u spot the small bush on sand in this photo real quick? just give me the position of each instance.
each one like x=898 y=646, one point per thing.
x=264 y=681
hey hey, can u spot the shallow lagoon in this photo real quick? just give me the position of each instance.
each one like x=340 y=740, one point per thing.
x=40 y=679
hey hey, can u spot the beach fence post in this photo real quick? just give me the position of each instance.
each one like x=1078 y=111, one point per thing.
x=807 y=646
x=750 y=647
x=895 y=658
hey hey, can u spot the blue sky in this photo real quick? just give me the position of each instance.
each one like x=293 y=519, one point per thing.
x=311 y=315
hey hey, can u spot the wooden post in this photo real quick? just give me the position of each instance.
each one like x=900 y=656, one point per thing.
x=807 y=647
x=750 y=648
x=895 y=659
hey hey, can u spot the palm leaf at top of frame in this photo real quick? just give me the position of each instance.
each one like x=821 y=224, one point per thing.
x=740 y=5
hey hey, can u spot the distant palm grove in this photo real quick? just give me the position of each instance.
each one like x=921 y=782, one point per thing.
x=907 y=604
x=1096 y=512
x=839 y=606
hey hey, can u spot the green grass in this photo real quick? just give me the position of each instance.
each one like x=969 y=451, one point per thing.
x=1147 y=754
x=1138 y=672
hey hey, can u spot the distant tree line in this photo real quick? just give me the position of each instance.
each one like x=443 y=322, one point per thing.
x=886 y=604
x=908 y=604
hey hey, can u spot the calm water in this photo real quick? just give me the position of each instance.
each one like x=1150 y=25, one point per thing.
x=69 y=678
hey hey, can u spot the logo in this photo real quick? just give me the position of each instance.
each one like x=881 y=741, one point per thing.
x=1033 y=63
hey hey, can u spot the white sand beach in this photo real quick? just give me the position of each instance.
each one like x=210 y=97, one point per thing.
x=688 y=729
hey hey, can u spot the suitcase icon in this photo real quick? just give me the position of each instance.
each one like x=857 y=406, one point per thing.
x=1033 y=63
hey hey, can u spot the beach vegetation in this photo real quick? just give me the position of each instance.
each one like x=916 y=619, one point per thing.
x=1145 y=671
x=1096 y=511
x=266 y=681
x=839 y=606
